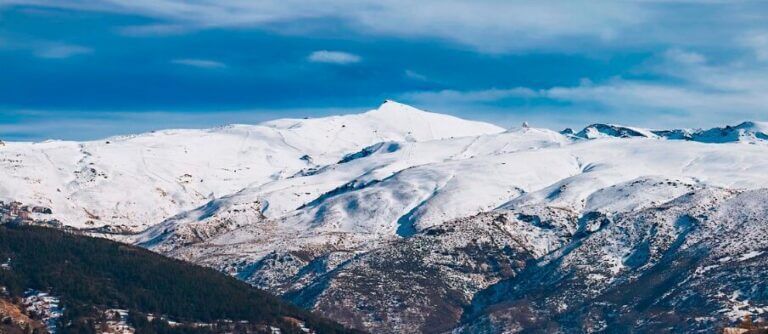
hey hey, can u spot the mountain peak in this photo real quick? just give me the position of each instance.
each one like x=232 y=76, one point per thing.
x=753 y=126
x=392 y=106
x=425 y=125
x=749 y=132
x=599 y=130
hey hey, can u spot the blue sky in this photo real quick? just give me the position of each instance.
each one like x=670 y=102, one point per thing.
x=74 y=69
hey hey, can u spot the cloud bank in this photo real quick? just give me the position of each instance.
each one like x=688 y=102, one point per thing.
x=333 y=57
x=201 y=63
x=702 y=93
x=491 y=26
x=656 y=63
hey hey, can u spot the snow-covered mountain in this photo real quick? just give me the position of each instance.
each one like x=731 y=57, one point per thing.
x=132 y=182
x=746 y=132
x=399 y=220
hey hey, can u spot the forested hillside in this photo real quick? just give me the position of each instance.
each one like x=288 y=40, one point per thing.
x=91 y=276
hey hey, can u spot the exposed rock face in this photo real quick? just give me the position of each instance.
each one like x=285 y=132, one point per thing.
x=691 y=264
x=422 y=283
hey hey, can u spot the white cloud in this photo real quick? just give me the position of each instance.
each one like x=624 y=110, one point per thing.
x=493 y=25
x=154 y=30
x=59 y=50
x=476 y=96
x=333 y=57
x=201 y=63
x=701 y=95
x=415 y=75
x=47 y=49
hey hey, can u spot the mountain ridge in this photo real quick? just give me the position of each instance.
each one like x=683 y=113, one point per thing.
x=350 y=215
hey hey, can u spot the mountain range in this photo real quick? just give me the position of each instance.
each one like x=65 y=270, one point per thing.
x=399 y=220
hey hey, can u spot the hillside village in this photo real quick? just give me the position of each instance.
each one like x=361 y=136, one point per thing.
x=17 y=213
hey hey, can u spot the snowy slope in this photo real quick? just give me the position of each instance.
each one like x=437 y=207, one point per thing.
x=136 y=181
x=420 y=185
x=398 y=185
x=401 y=189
